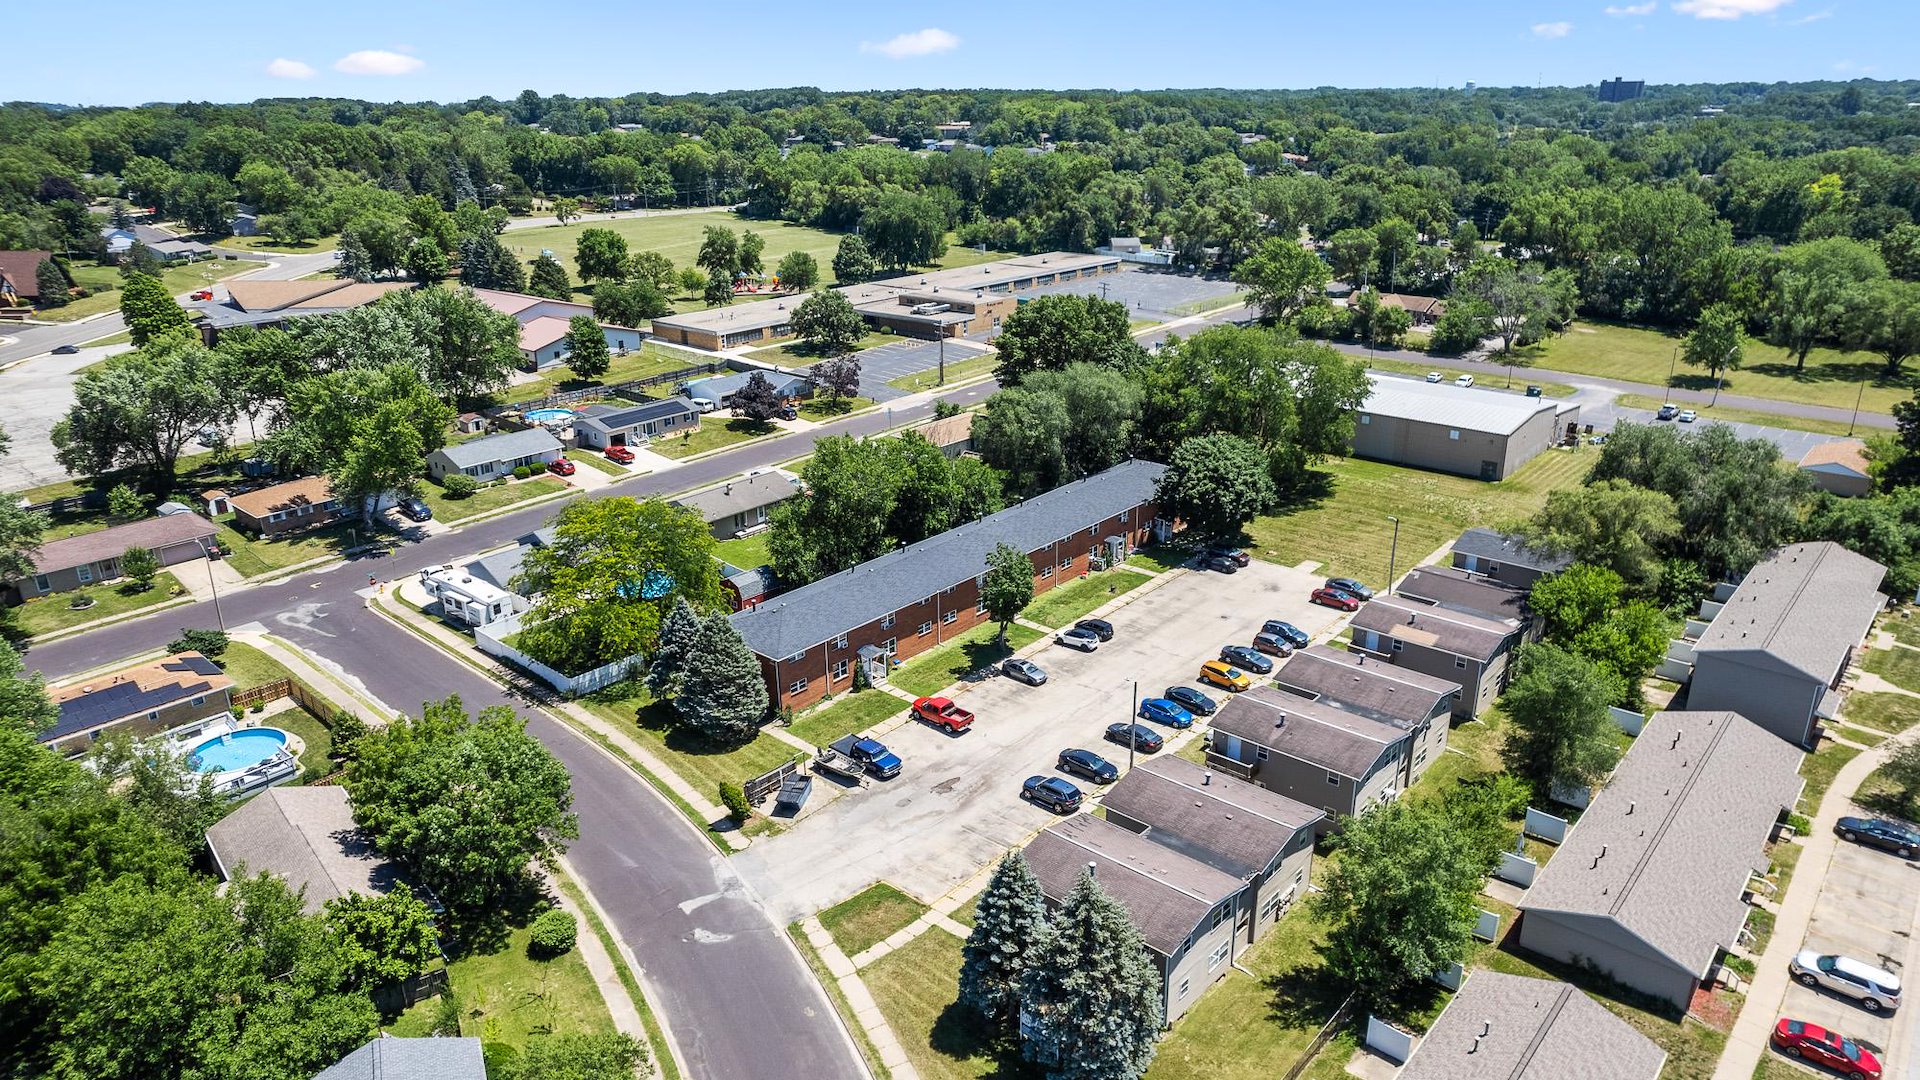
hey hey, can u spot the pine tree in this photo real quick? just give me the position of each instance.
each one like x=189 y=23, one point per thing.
x=678 y=633
x=722 y=695
x=549 y=279
x=1090 y=994
x=355 y=263
x=51 y=283
x=1010 y=917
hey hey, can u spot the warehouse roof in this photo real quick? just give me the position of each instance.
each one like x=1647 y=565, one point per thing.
x=506 y=446
x=1388 y=692
x=1456 y=632
x=1166 y=893
x=1510 y=1027
x=1466 y=407
x=1802 y=608
x=1231 y=825
x=1315 y=732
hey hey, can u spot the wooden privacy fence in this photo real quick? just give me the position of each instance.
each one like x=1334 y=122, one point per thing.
x=319 y=707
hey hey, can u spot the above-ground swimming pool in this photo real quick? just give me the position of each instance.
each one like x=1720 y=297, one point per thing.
x=237 y=750
x=550 y=416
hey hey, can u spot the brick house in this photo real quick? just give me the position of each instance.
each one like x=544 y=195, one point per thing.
x=284 y=508
x=150 y=698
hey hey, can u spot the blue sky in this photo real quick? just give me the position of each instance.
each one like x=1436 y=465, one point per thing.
x=413 y=50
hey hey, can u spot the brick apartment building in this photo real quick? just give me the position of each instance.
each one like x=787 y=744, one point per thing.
x=908 y=601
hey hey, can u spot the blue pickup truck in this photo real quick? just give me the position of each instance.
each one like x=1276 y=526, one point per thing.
x=856 y=754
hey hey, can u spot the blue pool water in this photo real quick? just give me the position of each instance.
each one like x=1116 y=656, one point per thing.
x=547 y=416
x=239 y=750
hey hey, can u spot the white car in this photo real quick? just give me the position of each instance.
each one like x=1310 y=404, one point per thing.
x=1076 y=638
x=705 y=405
x=1688 y=416
x=1433 y=376
x=1873 y=988
x=1464 y=380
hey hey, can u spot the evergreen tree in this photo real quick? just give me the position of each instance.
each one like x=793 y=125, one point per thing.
x=355 y=263
x=678 y=633
x=1010 y=917
x=549 y=279
x=1090 y=992
x=51 y=283
x=722 y=696
x=140 y=259
x=587 y=347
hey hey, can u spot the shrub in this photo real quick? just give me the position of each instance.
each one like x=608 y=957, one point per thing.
x=346 y=729
x=860 y=679
x=208 y=643
x=1799 y=823
x=459 y=485
x=521 y=472
x=553 y=933
x=1314 y=320
x=734 y=798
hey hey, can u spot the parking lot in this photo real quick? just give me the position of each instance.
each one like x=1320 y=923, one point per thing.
x=1149 y=294
x=884 y=363
x=956 y=806
x=1603 y=414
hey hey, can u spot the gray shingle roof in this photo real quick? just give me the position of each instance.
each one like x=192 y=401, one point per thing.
x=1511 y=550
x=506 y=446
x=1166 y=893
x=1803 y=608
x=411 y=1059
x=1397 y=695
x=611 y=418
x=1473 y=636
x=1665 y=849
x=307 y=837
x=1457 y=590
x=1310 y=731
x=827 y=608
x=1466 y=407
x=720 y=387
x=1542 y=1029
x=1228 y=824
x=741 y=494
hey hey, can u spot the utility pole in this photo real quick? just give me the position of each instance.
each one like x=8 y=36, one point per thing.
x=943 y=356
x=1393 y=553
x=1672 y=366
x=214 y=584
x=1131 y=734
x=1857 y=398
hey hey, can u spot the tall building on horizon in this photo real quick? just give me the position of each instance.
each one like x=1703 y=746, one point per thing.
x=1619 y=89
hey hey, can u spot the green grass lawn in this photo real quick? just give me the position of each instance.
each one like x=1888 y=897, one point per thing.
x=1904 y=628
x=818 y=411
x=713 y=434
x=254 y=557
x=124 y=337
x=1062 y=604
x=1346 y=525
x=249 y=667
x=870 y=917
x=315 y=757
x=488 y=499
x=964 y=914
x=1156 y=560
x=1901 y=667
x=105 y=281
x=848 y=714
x=595 y=461
x=1211 y=303
x=629 y=707
x=649 y=360
x=1892 y=713
x=1880 y=795
x=1520 y=381
x=1733 y=415
x=747 y=552
x=957 y=371
x=271 y=246
x=798 y=353
x=917 y=988
x=1818 y=770
x=941 y=666
x=507 y=996
x=56 y=612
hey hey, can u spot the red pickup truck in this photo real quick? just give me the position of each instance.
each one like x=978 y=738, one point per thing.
x=942 y=712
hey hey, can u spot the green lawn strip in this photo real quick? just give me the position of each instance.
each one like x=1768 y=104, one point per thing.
x=1157 y=560
x=1892 y=713
x=270 y=245
x=252 y=556
x=1210 y=303
x=55 y=612
x=840 y=1003
x=122 y=338
x=1773 y=1068
x=818 y=411
x=941 y=666
x=1880 y=795
x=798 y=353
x=1735 y=415
x=1062 y=604
x=1408 y=367
x=747 y=552
x=704 y=767
x=650 y=360
x=104 y=281
x=1904 y=628
x=596 y=461
x=316 y=758
x=870 y=917
x=656 y=1039
x=249 y=667
x=1901 y=667
x=508 y=996
x=917 y=989
x=964 y=913
x=850 y=714
x=1356 y=497
x=957 y=371
x=487 y=500
x=1818 y=770
x=713 y=435
x=1864 y=738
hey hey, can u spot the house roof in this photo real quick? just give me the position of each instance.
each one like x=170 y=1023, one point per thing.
x=611 y=418
x=21 y=271
x=330 y=295
x=1315 y=732
x=305 y=836
x=539 y=333
x=501 y=567
x=1468 y=408
x=1535 y=1029
x=948 y=431
x=741 y=494
x=718 y=387
x=506 y=446
x=1473 y=636
x=1847 y=456
x=824 y=609
x=1166 y=893
x=153 y=533
x=427 y=1058
x=1803 y=608
x=1666 y=847
x=1228 y=824
x=1424 y=305
x=1398 y=695
x=1458 y=590
x=1508 y=549
x=267 y=500
x=749 y=583
x=133 y=691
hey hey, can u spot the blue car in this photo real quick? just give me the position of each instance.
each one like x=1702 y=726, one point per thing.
x=1287 y=632
x=1165 y=711
x=1192 y=700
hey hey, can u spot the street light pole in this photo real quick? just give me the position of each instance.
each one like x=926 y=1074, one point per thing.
x=1857 y=398
x=1393 y=553
x=214 y=584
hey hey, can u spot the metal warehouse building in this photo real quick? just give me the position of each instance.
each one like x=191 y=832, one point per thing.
x=1456 y=429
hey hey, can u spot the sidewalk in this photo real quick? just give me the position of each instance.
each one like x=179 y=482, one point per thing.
x=341 y=689
x=866 y=1011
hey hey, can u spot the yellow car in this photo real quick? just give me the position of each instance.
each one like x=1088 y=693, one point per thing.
x=1224 y=675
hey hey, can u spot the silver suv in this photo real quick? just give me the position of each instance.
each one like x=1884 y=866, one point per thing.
x=1876 y=990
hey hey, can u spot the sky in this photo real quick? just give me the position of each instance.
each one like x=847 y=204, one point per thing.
x=434 y=50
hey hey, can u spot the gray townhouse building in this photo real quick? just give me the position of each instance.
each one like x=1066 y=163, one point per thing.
x=1405 y=698
x=1311 y=751
x=1511 y=1027
x=1471 y=650
x=1505 y=558
x=1461 y=590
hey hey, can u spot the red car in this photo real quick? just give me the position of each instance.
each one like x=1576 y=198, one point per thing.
x=620 y=454
x=561 y=467
x=1811 y=1042
x=1334 y=598
x=203 y=294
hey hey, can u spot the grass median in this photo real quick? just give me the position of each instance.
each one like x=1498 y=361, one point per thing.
x=1062 y=604
x=870 y=917
x=942 y=666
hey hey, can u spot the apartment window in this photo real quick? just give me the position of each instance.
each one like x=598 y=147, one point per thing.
x=1397 y=643
x=1185 y=985
x=197 y=702
x=1047 y=573
x=980 y=606
x=1459 y=662
x=1066 y=563
x=1219 y=955
x=41 y=583
x=839 y=670
x=85 y=573
x=949 y=617
x=1365 y=419
x=1259 y=753
x=886 y=623
x=304 y=510
x=1333 y=777
x=925 y=629
x=154 y=715
x=840 y=642
x=888 y=645
x=1125 y=514
x=1454 y=434
x=798 y=686
x=1493 y=568
x=1220 y=914
x=801 y=655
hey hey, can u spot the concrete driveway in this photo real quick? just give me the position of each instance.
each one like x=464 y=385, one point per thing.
x=956 y=805
x=1869 y=909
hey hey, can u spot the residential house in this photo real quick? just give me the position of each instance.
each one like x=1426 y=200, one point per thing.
x=1456 y=429
x=907 y=601
x=422 y=1058
x=1471 y=650
x=1511 y=1027
x=597 y=427
x=283 y=508
x=501 y=568
x=275 y=303
x=747 y=587
x=20 y=277
x=306 y=837
x=1780 y=645
x=1649 y=885
x=1311 y=751
x=1455 y=589
x=1839 y=466
x=245 y=221
x=1405 y=698
x=1189 y=913
x=63 y=565
x=1505 y=558
x=1425 y=310
x=544 y=323
x=953 y=435
x=493 y=456
x=719 y=389
x=165 y=246
x=146 y=698
x=744 y=504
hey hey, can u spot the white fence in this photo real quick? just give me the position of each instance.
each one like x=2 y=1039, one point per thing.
x=1710 y=608
x=1486 y=926
x=1388 y=1040
x=1517 y=869
x=1451 y=976
x=1573 y=795
x=1546 y=826
x=1630 y=722
x=1721 y=591
x=492 y=640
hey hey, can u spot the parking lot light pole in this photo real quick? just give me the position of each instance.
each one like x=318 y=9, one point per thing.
x=1393 y=552
x=1133 y=736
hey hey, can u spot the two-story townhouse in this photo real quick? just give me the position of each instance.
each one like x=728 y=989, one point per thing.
x=1311 y=752
x=1471 y=650
x=1407 y=699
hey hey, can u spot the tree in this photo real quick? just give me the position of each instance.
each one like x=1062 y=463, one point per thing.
x=1395 y=240
x=653 y=268
x=1400 y=897
x=840 y=518
x=1102 y=407
x=140 y=261
x=723 y=697
x=1282 y=277
x=357 y=409
x=1518 y=300
x=1815 y=285
x=1387 y=325
x=828 y=324
x=20 y=532
x=139 y=564
x=485 y=263
x=719 y=251
x=1627 y=645
x=1886 y=322
x=753 y=247
x=51 y=284
x=383 y=939
x=601 y=254
x=1462 y=327
x=1575 y=598
x=852 y=261
x=692 y=281
x=1053 y=332
x=679 y=632
x=466 y=801
x=1090 y=992
x=549 y=279
x=587 y=351
x=1734 y=497
x=1716 y=342
x=356 y=263
x=150 y=313
x=1024 y=435
x=629 y=303
x=1217 y=484
x=573 y=1056
x=719 y=289
x=1610 y=523
x=460 y=346
x=24 y=705
x=1351 y=252
x=211 y=644
x=125 y=504
x=904 y=230
x=757 y=400
x=1008 y=586
x=1009 y=918
x=140 y=409
x=1562 y=737
x=839 y=376
x=798 y=272
x=426 y=263
x=565 y=209
x=384 y=456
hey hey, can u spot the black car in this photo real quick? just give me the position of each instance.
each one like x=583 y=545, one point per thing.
x=1191 y=700
x=1246 y=659
x=1287 y=632
x=1055 y=794
x=1219 y=564
x=65 y=350
x=787 y=412
x=1350 y=587
x=1139 y=736
x=1025 y=671
x=1238 y=556
x=416 y=510
x=1099 y=628
x=1874 y=832
x=1088 y=764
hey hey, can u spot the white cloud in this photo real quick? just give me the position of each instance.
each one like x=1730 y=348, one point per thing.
x=1813 y=18
x=283 y=68
x=1552 y=29
x=919 y=43
x=1728 y=9
x=1619 y=11
x=1851 y=68
x=378 y=62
